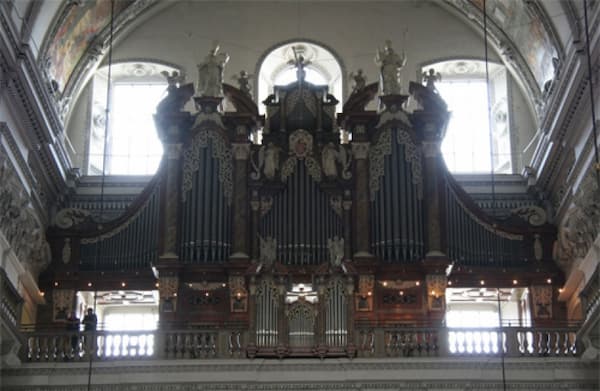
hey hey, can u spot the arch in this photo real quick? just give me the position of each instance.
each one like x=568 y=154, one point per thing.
x=323 y=61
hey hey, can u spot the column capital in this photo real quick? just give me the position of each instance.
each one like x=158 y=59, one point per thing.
x=360 y=150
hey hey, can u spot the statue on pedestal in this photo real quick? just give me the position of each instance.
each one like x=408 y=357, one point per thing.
x=431 y=78
x=390 y=63
x=243 y=79
x=210 y=73
x=360 y=81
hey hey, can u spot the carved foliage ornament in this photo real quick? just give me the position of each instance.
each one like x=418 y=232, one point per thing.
x=383 y=147
x=220 y=151
x=69 y=217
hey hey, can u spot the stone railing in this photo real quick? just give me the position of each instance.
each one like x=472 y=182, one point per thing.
x=111 y=345
x=444 y=342
x=370 y=342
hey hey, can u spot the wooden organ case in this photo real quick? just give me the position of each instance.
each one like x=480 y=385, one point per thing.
x=302 y=242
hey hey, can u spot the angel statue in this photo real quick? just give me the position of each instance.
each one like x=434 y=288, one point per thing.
x=268 y=159
x=360 y=81
x=299 y=62
x=210 y=73
x=390 y=63
x=335 y=247
x=268 y=250
x=243 y=79
x=329 y=156
x=430 y=78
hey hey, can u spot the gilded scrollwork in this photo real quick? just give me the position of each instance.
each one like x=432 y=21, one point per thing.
x=220 y=151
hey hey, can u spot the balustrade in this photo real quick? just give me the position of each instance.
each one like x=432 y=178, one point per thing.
x=370 y=342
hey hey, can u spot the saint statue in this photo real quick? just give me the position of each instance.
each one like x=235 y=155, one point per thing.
x=360 y=81
x=430 y=79
x=210 y=73
x=243 y=80
x=390 y=63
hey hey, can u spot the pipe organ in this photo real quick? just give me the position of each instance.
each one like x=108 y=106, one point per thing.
x=297 y=239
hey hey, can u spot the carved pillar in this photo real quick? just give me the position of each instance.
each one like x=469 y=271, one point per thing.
x=350 y=345
x=251 y=348
x=432 y=197
x=360 y=151
x=170 y=201
x=436 y=295
x=347 y=216
x=282 y=326
x=254 y=239
x=240 y=248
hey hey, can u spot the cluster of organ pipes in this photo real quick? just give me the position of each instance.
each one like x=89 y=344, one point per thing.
x=475 y=243
x=267 y=315
x=336 y=313
x=302 y=219
x=397 y=211
x=129 y=246
x=205 y=223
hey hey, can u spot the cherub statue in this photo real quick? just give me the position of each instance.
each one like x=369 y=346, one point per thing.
x=430 y=78
x=174 y=79
x=268 y=250
x=335 y=247
x=360 y=81
x=329 y=156
x=243 y=79
x=390 y=63
x=210 y=73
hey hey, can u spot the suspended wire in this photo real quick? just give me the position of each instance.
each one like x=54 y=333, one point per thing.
x=489 y=107
x=493 y=181
x=592 y=103
x=92 y=346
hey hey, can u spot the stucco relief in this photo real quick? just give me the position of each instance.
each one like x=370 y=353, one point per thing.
x=19 y=224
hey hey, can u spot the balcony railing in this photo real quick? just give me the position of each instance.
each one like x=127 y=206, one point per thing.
x=369 y=342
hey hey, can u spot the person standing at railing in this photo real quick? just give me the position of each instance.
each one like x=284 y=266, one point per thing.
x=90 y=322
x=73 y=328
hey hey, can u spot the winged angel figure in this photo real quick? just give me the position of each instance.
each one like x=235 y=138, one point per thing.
x=330 y=155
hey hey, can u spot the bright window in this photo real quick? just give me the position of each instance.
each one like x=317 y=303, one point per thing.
x=133 y=146
x=466 y=146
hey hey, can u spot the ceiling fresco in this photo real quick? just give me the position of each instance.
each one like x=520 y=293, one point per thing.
x=78 y=27
x=81 y=22
x=525 y=28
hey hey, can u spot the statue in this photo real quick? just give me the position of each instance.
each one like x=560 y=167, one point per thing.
x=430 y=79
x=390 y=64
x=360 y=81
x=210 y=73
x=299 y=62
x=335 y=247
x=268 y=251
x=328 y=158
x=243 y=80
x=268 y=158
x=174 y=79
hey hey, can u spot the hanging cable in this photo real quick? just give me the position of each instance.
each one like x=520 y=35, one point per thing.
x=500 y=341
x=489 y=107
x=92 y=345
x=592 y=103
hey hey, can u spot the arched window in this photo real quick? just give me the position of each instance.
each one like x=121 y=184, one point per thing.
x=466 y=146
x=133 y=147
x=323 y=68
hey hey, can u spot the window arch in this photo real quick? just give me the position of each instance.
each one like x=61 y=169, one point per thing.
x=466 y=145
x=133 y=146
x=324 y=68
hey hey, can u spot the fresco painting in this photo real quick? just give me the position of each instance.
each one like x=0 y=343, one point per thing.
x=526 y=30
x=80 y=25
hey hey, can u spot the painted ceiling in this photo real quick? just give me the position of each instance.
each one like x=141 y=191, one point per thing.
x=81 y=28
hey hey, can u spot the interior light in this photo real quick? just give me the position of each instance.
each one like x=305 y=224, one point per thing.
x=207 y=294
x=385 y=283
x=560 y=290
x=449 y=282
x=224 y=285
x=401 y=293
x=89 y=284
x=482 y=282
x=515 y=282
x=123 y=284
x=55 y=283
x=157 y=285
x=369 y=293
x=549 y=281
x=42 y=293
x=418 y=283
